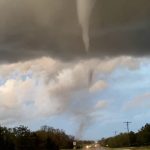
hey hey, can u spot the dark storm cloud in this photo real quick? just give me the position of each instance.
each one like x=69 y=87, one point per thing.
x=35 y=28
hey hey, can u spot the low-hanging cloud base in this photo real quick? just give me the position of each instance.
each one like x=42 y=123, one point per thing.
x=35 y=28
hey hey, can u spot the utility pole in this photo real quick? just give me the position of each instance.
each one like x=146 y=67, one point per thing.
x=127 y=124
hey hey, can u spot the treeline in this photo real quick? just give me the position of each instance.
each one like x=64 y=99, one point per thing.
x=47 y=138
x=141 y=138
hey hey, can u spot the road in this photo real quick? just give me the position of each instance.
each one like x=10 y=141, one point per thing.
x=93 y=147
x=98 y=147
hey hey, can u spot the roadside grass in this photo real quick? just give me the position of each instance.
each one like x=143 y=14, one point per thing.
x=130 y=148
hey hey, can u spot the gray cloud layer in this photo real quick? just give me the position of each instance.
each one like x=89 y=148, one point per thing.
x=35 y=28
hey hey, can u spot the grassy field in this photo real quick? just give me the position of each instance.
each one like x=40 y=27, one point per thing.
x=134 y=148
x=141 y=148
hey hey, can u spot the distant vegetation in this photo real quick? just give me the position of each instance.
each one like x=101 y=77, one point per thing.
x=47 y=138
x=141 y=138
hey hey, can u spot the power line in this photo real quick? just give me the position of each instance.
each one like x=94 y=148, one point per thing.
x=127 y=124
